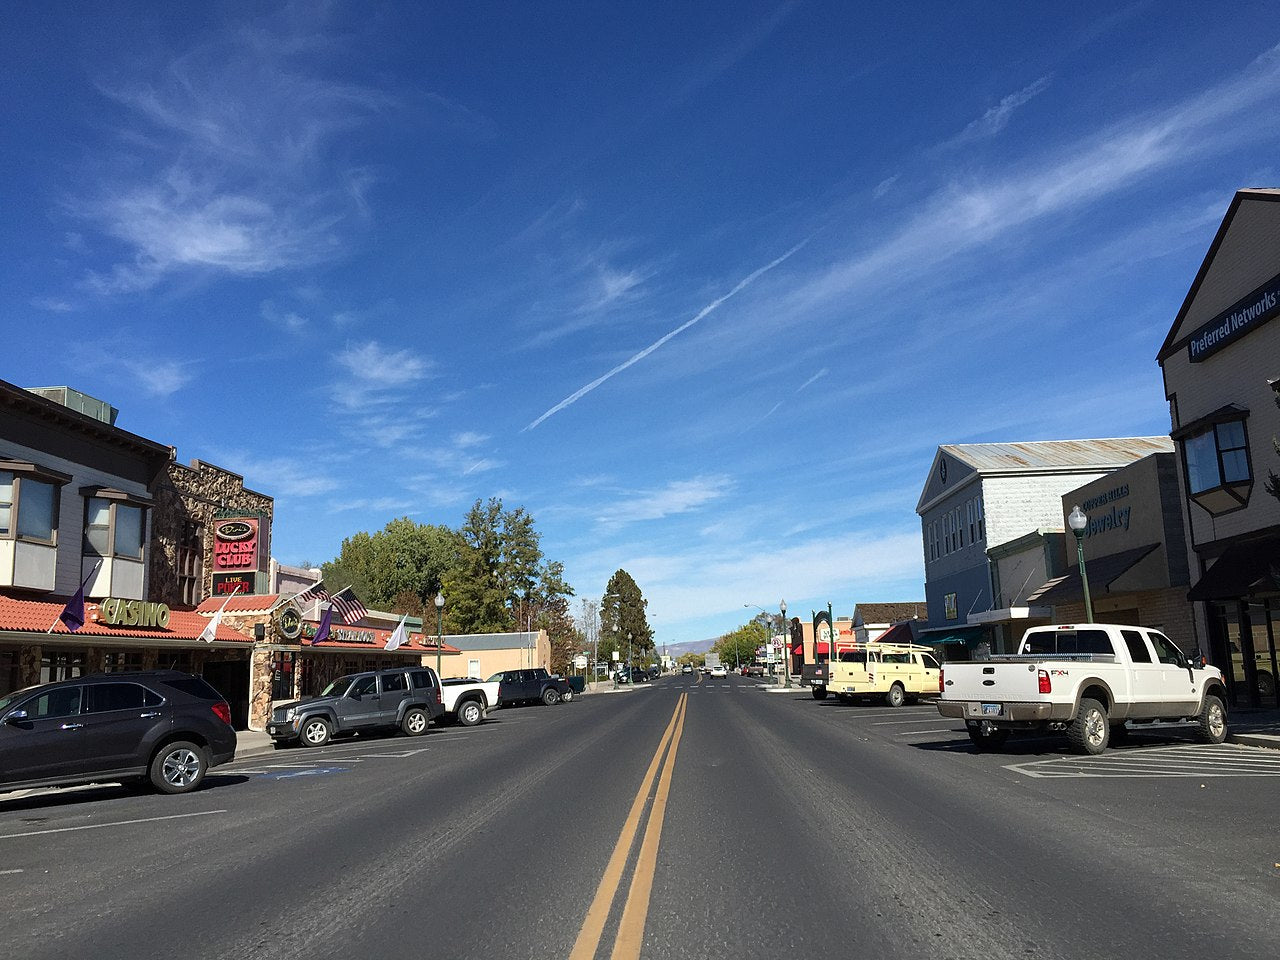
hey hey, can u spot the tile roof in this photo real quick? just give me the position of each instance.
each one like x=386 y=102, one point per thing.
x=34 y=616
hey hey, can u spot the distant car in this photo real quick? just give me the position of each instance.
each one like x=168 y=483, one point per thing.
x=687 y=668
x=640 y=675
x=719 y=671
x=753 y=670
x=160 y=726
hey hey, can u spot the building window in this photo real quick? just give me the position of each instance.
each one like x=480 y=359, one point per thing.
x=113 y=529
x=951 y=610
x=1218 y=473
x=982 y=523
x=28 y=507
x=190 y=560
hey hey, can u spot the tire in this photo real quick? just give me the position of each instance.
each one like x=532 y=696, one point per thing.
x=1090 y=731
x=567 y=696
x=819 y=693
x=1211 y=721
x=987 y=739
x=415 y=722
x=314 y=732
x=550 y=696
x=178 y=767
x=896 y=696
x=469 y=713
x=1266 y=685
x=844 y=698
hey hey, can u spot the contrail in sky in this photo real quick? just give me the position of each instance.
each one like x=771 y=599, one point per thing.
x=742 y=285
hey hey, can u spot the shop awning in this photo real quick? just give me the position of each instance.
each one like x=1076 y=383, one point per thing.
x=1242 y=570
x=940 y=636
x=1102 y=573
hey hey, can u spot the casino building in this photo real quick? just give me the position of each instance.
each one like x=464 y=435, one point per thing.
x=1221 y=366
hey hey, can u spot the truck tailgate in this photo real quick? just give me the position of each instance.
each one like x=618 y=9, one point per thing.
x=990 y=682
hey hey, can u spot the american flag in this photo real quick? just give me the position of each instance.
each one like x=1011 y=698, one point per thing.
x=314 y=592
x=352 y=610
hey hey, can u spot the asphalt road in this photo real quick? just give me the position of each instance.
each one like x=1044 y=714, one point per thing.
x=696 y=819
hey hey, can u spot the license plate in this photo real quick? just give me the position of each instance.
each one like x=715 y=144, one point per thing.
x=991 y=709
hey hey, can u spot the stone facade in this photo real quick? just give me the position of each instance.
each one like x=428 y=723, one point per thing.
x=200 y=493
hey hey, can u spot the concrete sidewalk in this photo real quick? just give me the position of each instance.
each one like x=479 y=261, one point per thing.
x=1254 y=728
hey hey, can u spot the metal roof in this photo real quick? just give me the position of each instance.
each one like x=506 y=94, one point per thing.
x=1056 y=454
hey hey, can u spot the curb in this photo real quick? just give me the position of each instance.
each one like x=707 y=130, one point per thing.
x=1268 y=740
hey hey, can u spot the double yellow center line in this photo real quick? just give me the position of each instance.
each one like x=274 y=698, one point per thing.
x=626 y=946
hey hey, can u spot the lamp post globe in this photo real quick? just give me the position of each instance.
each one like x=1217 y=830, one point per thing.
x=1078 y=521
x=439 y=628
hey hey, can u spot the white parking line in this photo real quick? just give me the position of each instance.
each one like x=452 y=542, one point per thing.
x=5 y=873
x=102 y=826
x=886 y=723
x=921 y=733
x=1198 y=760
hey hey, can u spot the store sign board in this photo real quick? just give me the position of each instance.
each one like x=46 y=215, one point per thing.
x=289 y=621
x=235 y=544
x=1241 y=318
x=225 y=584
x=133 y=613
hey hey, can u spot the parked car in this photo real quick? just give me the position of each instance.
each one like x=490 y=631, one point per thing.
x=468 y=700
x=404 y=698
x=1086 y=680
x=753 y=670
x=531 y=686
x=640 y=675
x=161 y=726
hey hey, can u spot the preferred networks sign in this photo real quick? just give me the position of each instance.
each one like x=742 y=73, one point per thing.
x=1241 y=318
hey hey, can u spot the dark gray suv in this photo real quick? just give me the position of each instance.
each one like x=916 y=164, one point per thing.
x=162 y=726
x=407 y=698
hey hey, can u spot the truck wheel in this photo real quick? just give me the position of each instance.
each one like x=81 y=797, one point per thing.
x=550 y=697
x=896 y=696
x=1211 y=723
x=987 y=737
x=470 y=713
x=819 y=693
x=567 y=696
x=1089 y=732
x=1266 y=685
x=178 y=767
x=844 y=698
x=315 y=732
x=415 y=722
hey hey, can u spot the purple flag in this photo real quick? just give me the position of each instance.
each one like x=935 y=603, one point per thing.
x=322 y=631
x=73 y=613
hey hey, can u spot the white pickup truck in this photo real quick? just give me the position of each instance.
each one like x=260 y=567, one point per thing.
x=1086 y=680
x=467 y=699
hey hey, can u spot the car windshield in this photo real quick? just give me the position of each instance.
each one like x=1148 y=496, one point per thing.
x=8 y=700
x=337 y=688
x=496 y=678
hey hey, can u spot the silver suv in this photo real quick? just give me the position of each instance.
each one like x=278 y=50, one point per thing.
x=407 y=698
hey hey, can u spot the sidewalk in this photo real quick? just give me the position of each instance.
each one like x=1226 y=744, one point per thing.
x=1254 y=728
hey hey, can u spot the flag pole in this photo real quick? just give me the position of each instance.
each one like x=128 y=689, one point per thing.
x=58 y=618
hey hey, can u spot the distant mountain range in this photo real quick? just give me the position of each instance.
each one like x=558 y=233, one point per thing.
x=688 y=646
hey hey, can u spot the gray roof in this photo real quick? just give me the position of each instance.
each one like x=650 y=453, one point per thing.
x=492 y=641
x=1056 y=454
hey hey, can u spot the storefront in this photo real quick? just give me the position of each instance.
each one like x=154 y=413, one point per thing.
x=1221 y=366
x=1135 y=553
x=118 y=636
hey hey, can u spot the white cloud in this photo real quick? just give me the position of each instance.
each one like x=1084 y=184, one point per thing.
x=884 y=186
x=383 y=366
x=679 y=496
x=997 y=118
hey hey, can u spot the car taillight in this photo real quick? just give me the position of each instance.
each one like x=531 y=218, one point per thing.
x=222 y=711
x=1045 y=685
x=438 y=699
x=940 y=681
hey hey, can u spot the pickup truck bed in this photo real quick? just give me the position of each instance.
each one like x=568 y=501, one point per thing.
x=468 y=700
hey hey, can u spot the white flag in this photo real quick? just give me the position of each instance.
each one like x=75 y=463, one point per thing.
x=210 y=631
x=398 y=636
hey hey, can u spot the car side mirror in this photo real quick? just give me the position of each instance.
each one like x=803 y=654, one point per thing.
x=17 y=716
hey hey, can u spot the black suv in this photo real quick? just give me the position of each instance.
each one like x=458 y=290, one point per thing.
x=530 y=686
x=160 y=726
x=405 y=697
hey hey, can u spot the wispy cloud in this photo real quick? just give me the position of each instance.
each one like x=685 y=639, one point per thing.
x=290 y=320
x=679 y=496
x=159 y=378
x=383 y=366
x=884 y=186
x=997 y=118
x=220 y=162
x=1077 y=174
x=636 y=358
x=282 y=476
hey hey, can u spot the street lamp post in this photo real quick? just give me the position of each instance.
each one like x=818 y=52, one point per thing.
x=786 y=647
x=439 y=627
x=1077 y=520
x=628 y=657
x=615 y=650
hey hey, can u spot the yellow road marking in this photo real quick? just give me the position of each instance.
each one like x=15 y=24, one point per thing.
x=584 y=948
x=631 y=929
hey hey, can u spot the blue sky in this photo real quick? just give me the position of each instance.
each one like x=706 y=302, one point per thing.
x=701 y=286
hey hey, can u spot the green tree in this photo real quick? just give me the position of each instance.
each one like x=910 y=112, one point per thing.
x=398 y=569
x=623 y=606
x=739 y=646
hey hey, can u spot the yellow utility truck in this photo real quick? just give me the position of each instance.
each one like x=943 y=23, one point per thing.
x=896 y=671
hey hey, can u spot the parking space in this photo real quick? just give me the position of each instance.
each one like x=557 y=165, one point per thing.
x=1192 y=760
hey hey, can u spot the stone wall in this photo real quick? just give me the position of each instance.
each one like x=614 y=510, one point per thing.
x=198 y=493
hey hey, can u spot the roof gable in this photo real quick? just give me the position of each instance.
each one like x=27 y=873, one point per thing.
x=1240 y=259
x=946 y=474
